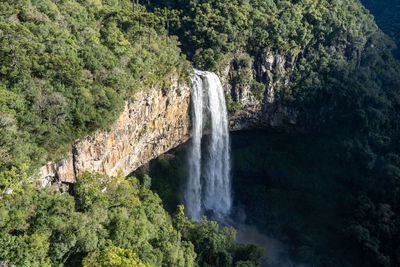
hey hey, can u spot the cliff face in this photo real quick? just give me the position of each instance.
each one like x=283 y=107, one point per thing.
x=159 y=120
x=155 y=122
x=269 y=70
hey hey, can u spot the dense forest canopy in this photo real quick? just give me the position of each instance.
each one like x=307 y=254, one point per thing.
x=67 y=66
x=110 y=222
x=387 y=16
x=212 y=28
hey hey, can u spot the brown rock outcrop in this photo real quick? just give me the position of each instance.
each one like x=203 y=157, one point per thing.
x=266 y=114
x=155 y=122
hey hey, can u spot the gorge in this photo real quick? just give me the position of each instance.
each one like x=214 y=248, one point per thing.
x=115 y=150
x=157 y=120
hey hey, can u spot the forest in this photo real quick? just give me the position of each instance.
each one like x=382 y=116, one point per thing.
x=387 y=17
x=63 y=76
x=110 y=221
x=66 y=68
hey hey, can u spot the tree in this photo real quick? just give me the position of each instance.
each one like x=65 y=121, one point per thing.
x=13 y=180
x=113 y=256
x=150 y=19
x=133 y=4
x=168 y=15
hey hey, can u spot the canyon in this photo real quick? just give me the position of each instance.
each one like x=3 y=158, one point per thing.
x=158 y=120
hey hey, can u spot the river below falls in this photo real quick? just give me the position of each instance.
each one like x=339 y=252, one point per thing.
x=276 y=253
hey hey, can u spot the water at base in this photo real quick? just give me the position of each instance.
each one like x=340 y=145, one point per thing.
x=208 y=187
x=276 y=253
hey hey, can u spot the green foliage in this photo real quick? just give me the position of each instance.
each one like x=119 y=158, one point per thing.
x=240 y=77
x=213 y=28
x=168 y=174
x=215 y=247
x=111 y=221
x=387 y=16
x=13 y=180
x=67 y=66
x=113 y=256
x=231 y=105
x=147 y=181
x=258 y=90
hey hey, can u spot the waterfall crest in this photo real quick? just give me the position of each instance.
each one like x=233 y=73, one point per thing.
x=208 y=187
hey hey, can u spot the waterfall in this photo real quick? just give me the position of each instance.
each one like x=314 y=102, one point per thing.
x=208 y=187
x=193 y=188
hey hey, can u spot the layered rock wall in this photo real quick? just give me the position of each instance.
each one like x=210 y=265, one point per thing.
x=159 y=119
x=265 y=113
x=155 y=122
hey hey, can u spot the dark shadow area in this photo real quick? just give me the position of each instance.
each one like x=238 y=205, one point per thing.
x=289 y=196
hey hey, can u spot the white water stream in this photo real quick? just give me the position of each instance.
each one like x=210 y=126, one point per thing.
x=209 y=186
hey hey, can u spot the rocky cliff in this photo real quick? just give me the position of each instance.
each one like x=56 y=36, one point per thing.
x=252 y=84
x=156 y=121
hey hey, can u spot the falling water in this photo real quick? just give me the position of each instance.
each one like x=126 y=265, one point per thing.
x=208 y=187
x=193 y=188
x=217 y=195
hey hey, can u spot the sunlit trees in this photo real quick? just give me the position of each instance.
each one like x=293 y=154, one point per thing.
x=63 y=75
x=112 y=221
x=113 y=256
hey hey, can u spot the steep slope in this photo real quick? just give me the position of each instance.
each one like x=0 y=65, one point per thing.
x=156 y=121
x=387 y=16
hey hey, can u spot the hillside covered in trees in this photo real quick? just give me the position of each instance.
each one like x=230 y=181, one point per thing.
x=67 y=66
x=110 y=222
x=387 y=16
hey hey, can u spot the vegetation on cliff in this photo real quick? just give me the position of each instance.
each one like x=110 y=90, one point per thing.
x=213 y=28
x=387 y=16
x=340 y=54
x=67 y=66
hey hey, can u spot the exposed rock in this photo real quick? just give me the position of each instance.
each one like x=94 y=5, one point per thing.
x=267 y=116
x=280 y=117
x=237 y=77
x=272 y=70
x=159 y=120
x=155 y=122
x=246 y=118
x=50 y=172
x=47 y=174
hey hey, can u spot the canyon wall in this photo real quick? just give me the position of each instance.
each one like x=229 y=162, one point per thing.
x=156 y=121
x=238 y=78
